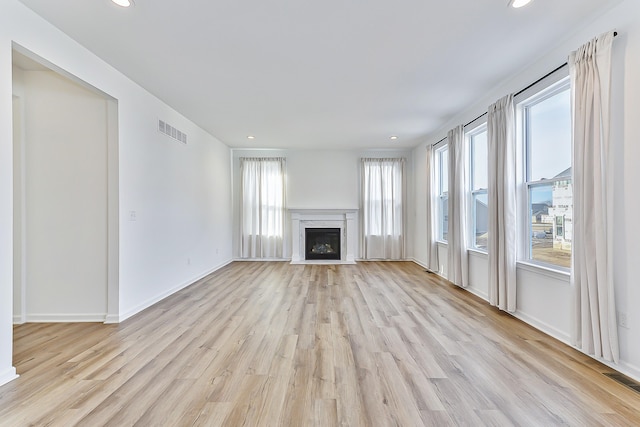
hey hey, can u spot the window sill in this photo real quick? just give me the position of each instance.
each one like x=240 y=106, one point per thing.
x=553 y=273
x=478 y=253
x=442 y=244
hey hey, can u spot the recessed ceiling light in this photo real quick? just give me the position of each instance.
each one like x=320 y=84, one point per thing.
x=518 y=3
x=251 y=137
x=123 y=3
x=393 y=137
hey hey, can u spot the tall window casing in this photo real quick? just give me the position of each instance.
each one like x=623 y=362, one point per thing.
x=263 y=207
x=442 y=158
x=382 y=213
x=546 y=126
x=478 y=185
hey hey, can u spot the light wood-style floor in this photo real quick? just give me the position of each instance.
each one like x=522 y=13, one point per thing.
x=258 y=344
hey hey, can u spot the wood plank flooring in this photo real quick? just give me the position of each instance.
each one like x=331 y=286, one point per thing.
x=261 y=344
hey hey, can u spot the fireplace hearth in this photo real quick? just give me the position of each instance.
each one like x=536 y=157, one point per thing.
x=322 y=243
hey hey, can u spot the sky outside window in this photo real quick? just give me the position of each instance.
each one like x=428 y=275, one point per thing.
x=550 y=132
x=480 y=161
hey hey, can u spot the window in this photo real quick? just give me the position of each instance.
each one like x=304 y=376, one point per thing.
x=262 y=207
x=442 y=156
x=478 y=185
x=383 y=208
x=383 y=190
x=560 y=226
x=546 y=122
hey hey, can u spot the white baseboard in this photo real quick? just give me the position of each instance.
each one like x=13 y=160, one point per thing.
x=423 y=265
x=108 y=318
x=112 y=318
x=420 y=263
x=65 y=317
x=543 y=327
x=151 y=301
x=623 y=367
x=8 y=375
x=478 y=293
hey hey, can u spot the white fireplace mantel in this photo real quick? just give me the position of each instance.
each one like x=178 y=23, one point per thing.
x=344 y=219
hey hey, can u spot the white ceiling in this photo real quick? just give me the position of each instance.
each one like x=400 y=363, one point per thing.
x=323 y=74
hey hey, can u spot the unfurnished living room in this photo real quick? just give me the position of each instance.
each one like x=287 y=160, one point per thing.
x=219 y=213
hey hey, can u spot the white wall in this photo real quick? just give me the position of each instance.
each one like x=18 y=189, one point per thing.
x=181 y=196
x=544 y=299
x=322 y=179
x=181 y=193
x=19 y=302
x=7 y=372
x=319 y=179
x=65 y=203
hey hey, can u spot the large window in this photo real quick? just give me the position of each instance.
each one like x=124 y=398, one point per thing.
x=478 y=185
x=442 y=156
x=262 y=207
x=383 y=208
x=546 y=122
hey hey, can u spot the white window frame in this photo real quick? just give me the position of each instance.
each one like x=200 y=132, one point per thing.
x=543 y=90
x=473 y=194
x=442 y=196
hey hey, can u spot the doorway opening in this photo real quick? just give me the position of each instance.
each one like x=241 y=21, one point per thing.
x=65 y=196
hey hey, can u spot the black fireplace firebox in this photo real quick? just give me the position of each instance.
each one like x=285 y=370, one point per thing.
x=322 y=243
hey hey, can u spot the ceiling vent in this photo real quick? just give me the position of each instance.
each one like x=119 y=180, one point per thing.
x=172 y=132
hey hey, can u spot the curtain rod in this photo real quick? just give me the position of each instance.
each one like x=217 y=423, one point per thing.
x=439 y=141
x=481 y=115
x=541 y=79
x=555 y=70
x=615 y=34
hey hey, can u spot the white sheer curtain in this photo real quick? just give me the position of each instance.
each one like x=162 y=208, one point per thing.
x=458 y=261
x=595 y=329
x=382 y=208
x=502 y=203
x=263 y=207
x=432 y=247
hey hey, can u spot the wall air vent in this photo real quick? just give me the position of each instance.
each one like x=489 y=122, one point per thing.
x=172 y=132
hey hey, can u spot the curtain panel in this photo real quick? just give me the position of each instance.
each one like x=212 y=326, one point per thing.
x=382 y=208
x=263 y=207
x=458 y=260
x=595 y=329
x=432 y=246
x=502 y=203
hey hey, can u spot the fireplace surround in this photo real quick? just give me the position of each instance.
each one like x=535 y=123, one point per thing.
x=340 y=221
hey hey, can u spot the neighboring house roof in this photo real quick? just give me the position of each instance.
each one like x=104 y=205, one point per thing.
x=566 y=172
x=480 y=202
x=540 y=208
